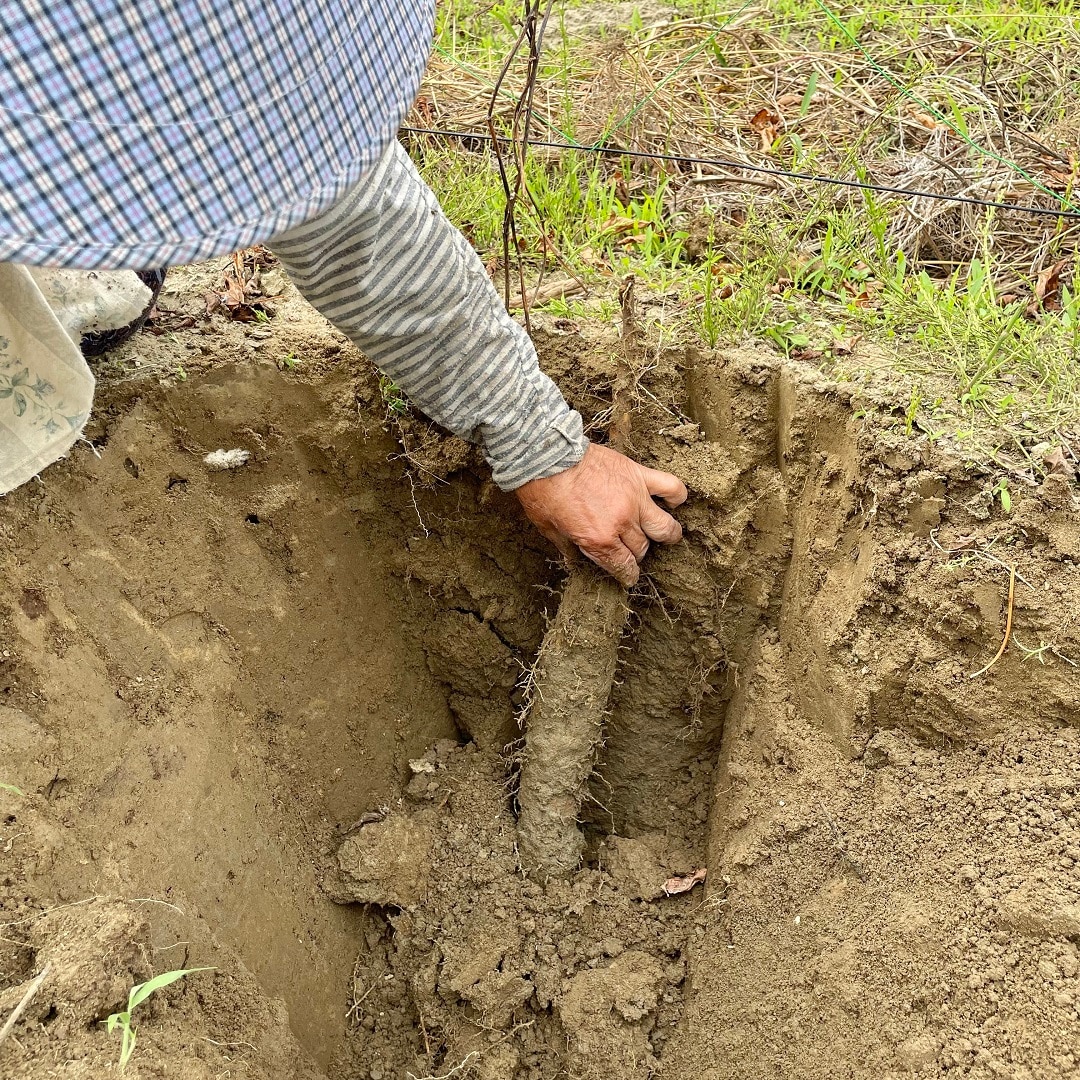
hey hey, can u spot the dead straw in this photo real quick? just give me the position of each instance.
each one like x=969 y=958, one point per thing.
x=748 y=89
x=24 y=1003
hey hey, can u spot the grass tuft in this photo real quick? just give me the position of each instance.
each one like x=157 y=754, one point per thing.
x=971 y=313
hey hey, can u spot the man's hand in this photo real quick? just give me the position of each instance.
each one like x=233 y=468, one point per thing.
x=603 y=505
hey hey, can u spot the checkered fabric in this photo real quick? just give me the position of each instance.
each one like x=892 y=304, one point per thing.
x=141 y=133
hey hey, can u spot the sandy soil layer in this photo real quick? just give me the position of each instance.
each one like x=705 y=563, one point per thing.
x=263 y=720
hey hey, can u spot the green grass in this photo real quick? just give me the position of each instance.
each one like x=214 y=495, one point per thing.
x=972 y=354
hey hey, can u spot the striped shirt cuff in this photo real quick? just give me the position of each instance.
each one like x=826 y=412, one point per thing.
x=549 y=440
x=389 y=270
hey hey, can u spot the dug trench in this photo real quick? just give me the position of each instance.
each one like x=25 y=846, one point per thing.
x=264 y=720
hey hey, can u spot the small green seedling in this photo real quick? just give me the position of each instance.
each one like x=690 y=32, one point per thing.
x=393 y=396
x=1001 y=490
x=12 y=789
x=136 y=996
x=787 y=336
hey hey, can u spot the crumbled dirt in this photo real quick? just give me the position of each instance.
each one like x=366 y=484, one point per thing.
x=485 y=967
x=263 y=720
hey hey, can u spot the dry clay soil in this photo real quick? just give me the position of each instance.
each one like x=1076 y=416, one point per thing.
x=264 y=721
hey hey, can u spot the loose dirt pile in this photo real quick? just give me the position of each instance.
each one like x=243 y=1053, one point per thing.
x=485 y=968
x=263 y=719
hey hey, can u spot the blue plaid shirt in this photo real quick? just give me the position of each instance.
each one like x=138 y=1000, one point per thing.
x=143 y=133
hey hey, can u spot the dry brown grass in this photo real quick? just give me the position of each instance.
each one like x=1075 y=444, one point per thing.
x=927 y=108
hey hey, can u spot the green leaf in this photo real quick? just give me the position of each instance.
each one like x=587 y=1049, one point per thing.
x=811 y=86
x=12 y=789
x=22 y=377
x=142 y=991
x=127 y=1046
x=20 y=403
x=1006 y=500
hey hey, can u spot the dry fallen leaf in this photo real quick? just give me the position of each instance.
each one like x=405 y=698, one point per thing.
x=1058 y=465
x=766 y=124
x=1046 y=289
x=619 y=223
x=846 y=348
x=555 y=289
x=964 y=48
x=763 y=118
x=426 y=111
x=676 y=885
x=240 y=292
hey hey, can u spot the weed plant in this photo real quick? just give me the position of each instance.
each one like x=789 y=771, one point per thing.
x=136 y=996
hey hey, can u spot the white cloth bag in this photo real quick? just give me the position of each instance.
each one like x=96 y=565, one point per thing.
x=46 y=387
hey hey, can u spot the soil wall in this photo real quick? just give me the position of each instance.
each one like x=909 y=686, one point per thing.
x=227 y=697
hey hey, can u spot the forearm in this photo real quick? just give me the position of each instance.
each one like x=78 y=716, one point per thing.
x=390 y=271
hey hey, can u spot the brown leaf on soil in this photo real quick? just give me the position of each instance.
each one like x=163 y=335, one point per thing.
x=964 y=543
x=762 y=119
x=1049 y=279
x=924 y=119
x=240 y=293
x=1058 y=465
x=619 y=223
x=846 y=348
x=1061 y=179
x=425 y=110
x=164 y=320
x=676 y=885
x=555 y=289
x=766 y=125
x=964 y=48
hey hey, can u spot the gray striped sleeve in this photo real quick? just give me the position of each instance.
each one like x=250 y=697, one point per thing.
x=387 y=268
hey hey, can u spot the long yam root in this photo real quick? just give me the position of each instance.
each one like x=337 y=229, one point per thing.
x=573 y=678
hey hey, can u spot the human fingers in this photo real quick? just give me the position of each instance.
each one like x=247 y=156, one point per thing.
x=636 y=540
x=665 y=485
x=659 y=525
x=617 y=559
x=566 y=546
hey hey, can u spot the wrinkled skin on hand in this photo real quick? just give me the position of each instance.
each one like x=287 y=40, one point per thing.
x=603 y=506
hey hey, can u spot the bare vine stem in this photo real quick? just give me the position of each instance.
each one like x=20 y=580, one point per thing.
x=534 y=24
